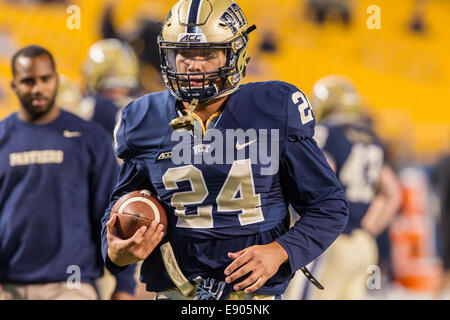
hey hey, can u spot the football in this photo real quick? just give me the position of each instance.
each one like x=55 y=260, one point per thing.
x=136 y=209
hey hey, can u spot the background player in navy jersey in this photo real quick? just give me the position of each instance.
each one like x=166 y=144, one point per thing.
x=357 y=156
x=110 y=74
x=56 y=174
x=225 y=160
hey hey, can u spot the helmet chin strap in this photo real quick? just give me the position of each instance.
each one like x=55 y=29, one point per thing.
x=198 y=92
x=185 y=122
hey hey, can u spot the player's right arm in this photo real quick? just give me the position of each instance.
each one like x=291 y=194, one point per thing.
x=118 y=252
x=124 y=252
x=386 y=203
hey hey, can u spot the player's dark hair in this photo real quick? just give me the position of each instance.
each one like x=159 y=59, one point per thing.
x=31 y=51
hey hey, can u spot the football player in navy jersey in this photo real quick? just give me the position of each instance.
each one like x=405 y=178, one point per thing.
x=357 y=156
x=225 y=160
x=56 y=174
x=110 y=74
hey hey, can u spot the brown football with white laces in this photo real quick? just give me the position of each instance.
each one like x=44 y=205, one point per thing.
x=136 y=209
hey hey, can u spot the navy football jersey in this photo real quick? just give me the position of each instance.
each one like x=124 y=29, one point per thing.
x=227 y=185
x=359 y=157
x=55 y=182
x=99 y=110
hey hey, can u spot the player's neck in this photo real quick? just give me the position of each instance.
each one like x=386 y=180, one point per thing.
x=46 y=118
x=206 y=110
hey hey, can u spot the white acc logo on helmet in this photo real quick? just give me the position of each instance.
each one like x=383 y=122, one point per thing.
x=192 y=37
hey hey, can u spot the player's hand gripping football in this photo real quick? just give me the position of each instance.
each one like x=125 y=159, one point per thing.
x=123 y=252
x=261 y=262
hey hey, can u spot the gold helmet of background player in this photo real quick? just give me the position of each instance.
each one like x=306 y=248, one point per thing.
x=207 y=25
x=110 y=64
x=69 y=95
x=335 y=95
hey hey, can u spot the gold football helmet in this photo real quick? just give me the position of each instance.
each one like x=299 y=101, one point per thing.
x=206 y=25
x=335 y=95
x=110 y=63
x=69 y=95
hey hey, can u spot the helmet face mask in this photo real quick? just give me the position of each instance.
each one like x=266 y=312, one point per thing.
x=204 y=85
x=191 y=40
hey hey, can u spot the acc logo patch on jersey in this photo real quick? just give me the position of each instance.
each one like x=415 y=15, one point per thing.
x=192 y=37
x=165 y=155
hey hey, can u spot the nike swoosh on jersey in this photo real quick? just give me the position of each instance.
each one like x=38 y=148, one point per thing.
x=71 y=134
x=242 y=146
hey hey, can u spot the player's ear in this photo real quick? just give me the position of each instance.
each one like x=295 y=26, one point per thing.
x=12 y=84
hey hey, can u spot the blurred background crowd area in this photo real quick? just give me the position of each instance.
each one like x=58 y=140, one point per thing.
x=400 y=67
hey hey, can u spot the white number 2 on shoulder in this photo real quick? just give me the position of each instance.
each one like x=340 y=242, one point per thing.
x=304 y=108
